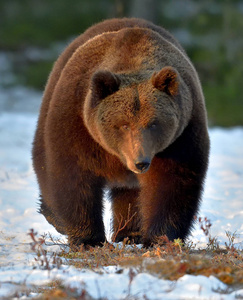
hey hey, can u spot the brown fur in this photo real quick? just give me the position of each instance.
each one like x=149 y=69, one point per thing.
x=123 y=109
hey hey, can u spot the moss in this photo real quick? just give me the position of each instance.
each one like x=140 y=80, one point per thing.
x=35 y=75
x=27 y=23
x=224 y=105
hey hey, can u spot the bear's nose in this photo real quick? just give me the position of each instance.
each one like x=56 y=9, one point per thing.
x=142 y=165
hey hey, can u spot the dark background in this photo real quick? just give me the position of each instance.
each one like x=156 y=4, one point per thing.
x=34 y=32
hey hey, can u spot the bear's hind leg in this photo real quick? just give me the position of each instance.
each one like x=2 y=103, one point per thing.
x=126 y=214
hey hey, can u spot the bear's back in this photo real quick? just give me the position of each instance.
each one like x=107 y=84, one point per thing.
x=111 y=25
x=114 y=25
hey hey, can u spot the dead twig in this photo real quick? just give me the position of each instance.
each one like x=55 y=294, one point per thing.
x=126 y=222
x=37 y=246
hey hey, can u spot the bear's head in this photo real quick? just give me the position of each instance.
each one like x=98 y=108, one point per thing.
x=136 y=118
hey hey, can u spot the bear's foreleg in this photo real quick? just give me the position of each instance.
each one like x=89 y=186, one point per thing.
x=126 y=214
x=169 y=200
x=77 y=201
x=50 y=216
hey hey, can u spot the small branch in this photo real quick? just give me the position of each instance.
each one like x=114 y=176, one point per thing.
x=38 y=244
x=120 y=227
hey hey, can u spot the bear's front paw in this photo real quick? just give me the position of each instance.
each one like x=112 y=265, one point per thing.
x=134 y=237
x=149 y=240
x=89 y=241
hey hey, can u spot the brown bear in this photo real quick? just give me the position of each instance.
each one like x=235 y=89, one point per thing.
x=123 y=110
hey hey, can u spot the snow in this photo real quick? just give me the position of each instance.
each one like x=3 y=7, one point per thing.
x=222 y=204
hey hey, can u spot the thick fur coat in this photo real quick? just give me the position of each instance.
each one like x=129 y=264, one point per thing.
x=123 y=109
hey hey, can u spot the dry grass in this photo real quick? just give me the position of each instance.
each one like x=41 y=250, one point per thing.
x=167 y=260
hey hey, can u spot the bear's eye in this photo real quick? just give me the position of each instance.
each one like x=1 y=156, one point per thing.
x=153 y=125
x=125 y=127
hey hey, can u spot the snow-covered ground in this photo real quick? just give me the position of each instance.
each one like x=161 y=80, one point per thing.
x=222 y=204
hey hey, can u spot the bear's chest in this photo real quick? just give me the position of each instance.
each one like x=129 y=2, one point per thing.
x=125 y=180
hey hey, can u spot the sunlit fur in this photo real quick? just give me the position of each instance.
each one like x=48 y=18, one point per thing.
x=122 y=95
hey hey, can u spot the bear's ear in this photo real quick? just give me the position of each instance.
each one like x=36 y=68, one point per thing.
x=103 y=84
x=166 y=80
